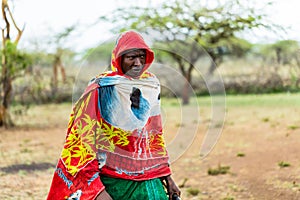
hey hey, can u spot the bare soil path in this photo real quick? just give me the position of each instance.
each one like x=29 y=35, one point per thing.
x=256 y=144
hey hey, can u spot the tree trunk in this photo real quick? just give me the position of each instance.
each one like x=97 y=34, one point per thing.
x=6 y=73
x=55 y=78
x=57 y=65
x=278 y=55
x=186 y=92
x=215 y=61
x=5 y=119
x=212 y=68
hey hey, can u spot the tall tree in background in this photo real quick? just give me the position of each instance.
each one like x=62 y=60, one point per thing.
x=178 y=20
x=12 y=64
x=57 y=64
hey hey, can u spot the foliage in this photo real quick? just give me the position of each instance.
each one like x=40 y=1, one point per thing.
x=100 y=53
x=236 y=46
x=41 y=58
x=60 y=38
x=210 y=27
x=11 y=62
x=186 y=27
x=281 y=52
x=17 y=61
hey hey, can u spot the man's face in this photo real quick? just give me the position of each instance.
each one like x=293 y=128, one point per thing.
x=133 y=62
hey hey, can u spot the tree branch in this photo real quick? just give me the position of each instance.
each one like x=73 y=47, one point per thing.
x=15 y=25
x=5 y=6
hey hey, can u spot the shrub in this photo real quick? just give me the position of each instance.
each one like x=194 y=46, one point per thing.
x=283 y=164
x=219 y=170
x=193 y=191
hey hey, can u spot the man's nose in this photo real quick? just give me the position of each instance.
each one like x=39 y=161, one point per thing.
x=137 y=61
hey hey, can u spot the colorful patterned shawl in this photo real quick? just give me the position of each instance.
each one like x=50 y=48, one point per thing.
x=115 y=130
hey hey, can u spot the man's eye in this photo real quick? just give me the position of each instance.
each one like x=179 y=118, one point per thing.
x=137 y=56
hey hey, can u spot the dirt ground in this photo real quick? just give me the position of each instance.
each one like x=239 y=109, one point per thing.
x=259 y=145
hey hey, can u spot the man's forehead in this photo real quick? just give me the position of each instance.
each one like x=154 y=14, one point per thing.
x=135 y=51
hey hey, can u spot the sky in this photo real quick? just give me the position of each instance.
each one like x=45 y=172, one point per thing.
x=44 y=18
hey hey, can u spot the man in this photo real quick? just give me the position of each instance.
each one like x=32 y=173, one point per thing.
x=114 y=147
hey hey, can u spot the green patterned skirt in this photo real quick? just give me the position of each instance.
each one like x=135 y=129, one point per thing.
x=120 y=189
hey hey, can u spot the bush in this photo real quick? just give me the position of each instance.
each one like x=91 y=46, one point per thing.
x=219 y=170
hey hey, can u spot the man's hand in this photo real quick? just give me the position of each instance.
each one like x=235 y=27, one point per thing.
x=171 y=186
x=103 y=196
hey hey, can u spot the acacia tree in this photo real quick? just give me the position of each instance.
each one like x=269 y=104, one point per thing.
x=57 y=64
x=12 y=65
x=179 y=21
x=283 y=53
x=287 y=52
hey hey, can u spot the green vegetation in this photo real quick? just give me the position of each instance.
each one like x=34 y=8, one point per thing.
x=245 y=100
x=265 y=119
x=228 y=198
x=219 y=170
x=186 y=31
x=293 y=127
x=240 y=154
x=283 y=164
x=170 y=102
x=193 y=191
x=53 y=115
x=183 y=183
x=267 y=100
x=183 y=36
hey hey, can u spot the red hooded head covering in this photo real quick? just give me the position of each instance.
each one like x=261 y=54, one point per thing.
x=127 y=41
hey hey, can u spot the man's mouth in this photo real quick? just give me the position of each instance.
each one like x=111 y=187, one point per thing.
x=136 y=69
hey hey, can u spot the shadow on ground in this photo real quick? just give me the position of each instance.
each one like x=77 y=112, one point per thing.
x=27 y=167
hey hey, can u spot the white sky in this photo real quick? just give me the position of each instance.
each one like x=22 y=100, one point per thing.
x=44 y=18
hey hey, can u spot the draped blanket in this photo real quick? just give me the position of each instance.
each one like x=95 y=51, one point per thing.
x=114 y=130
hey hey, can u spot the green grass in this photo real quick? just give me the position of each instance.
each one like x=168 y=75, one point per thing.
x=193 y=191
x=45 y=115
x=283 y=164
x=265 y=119
x=268 y=100
x=293 y=127
x=245 y=100
x=170 y=102
x=228 y=198
x=48 y=114
x=219 y=170
x=240 y=154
